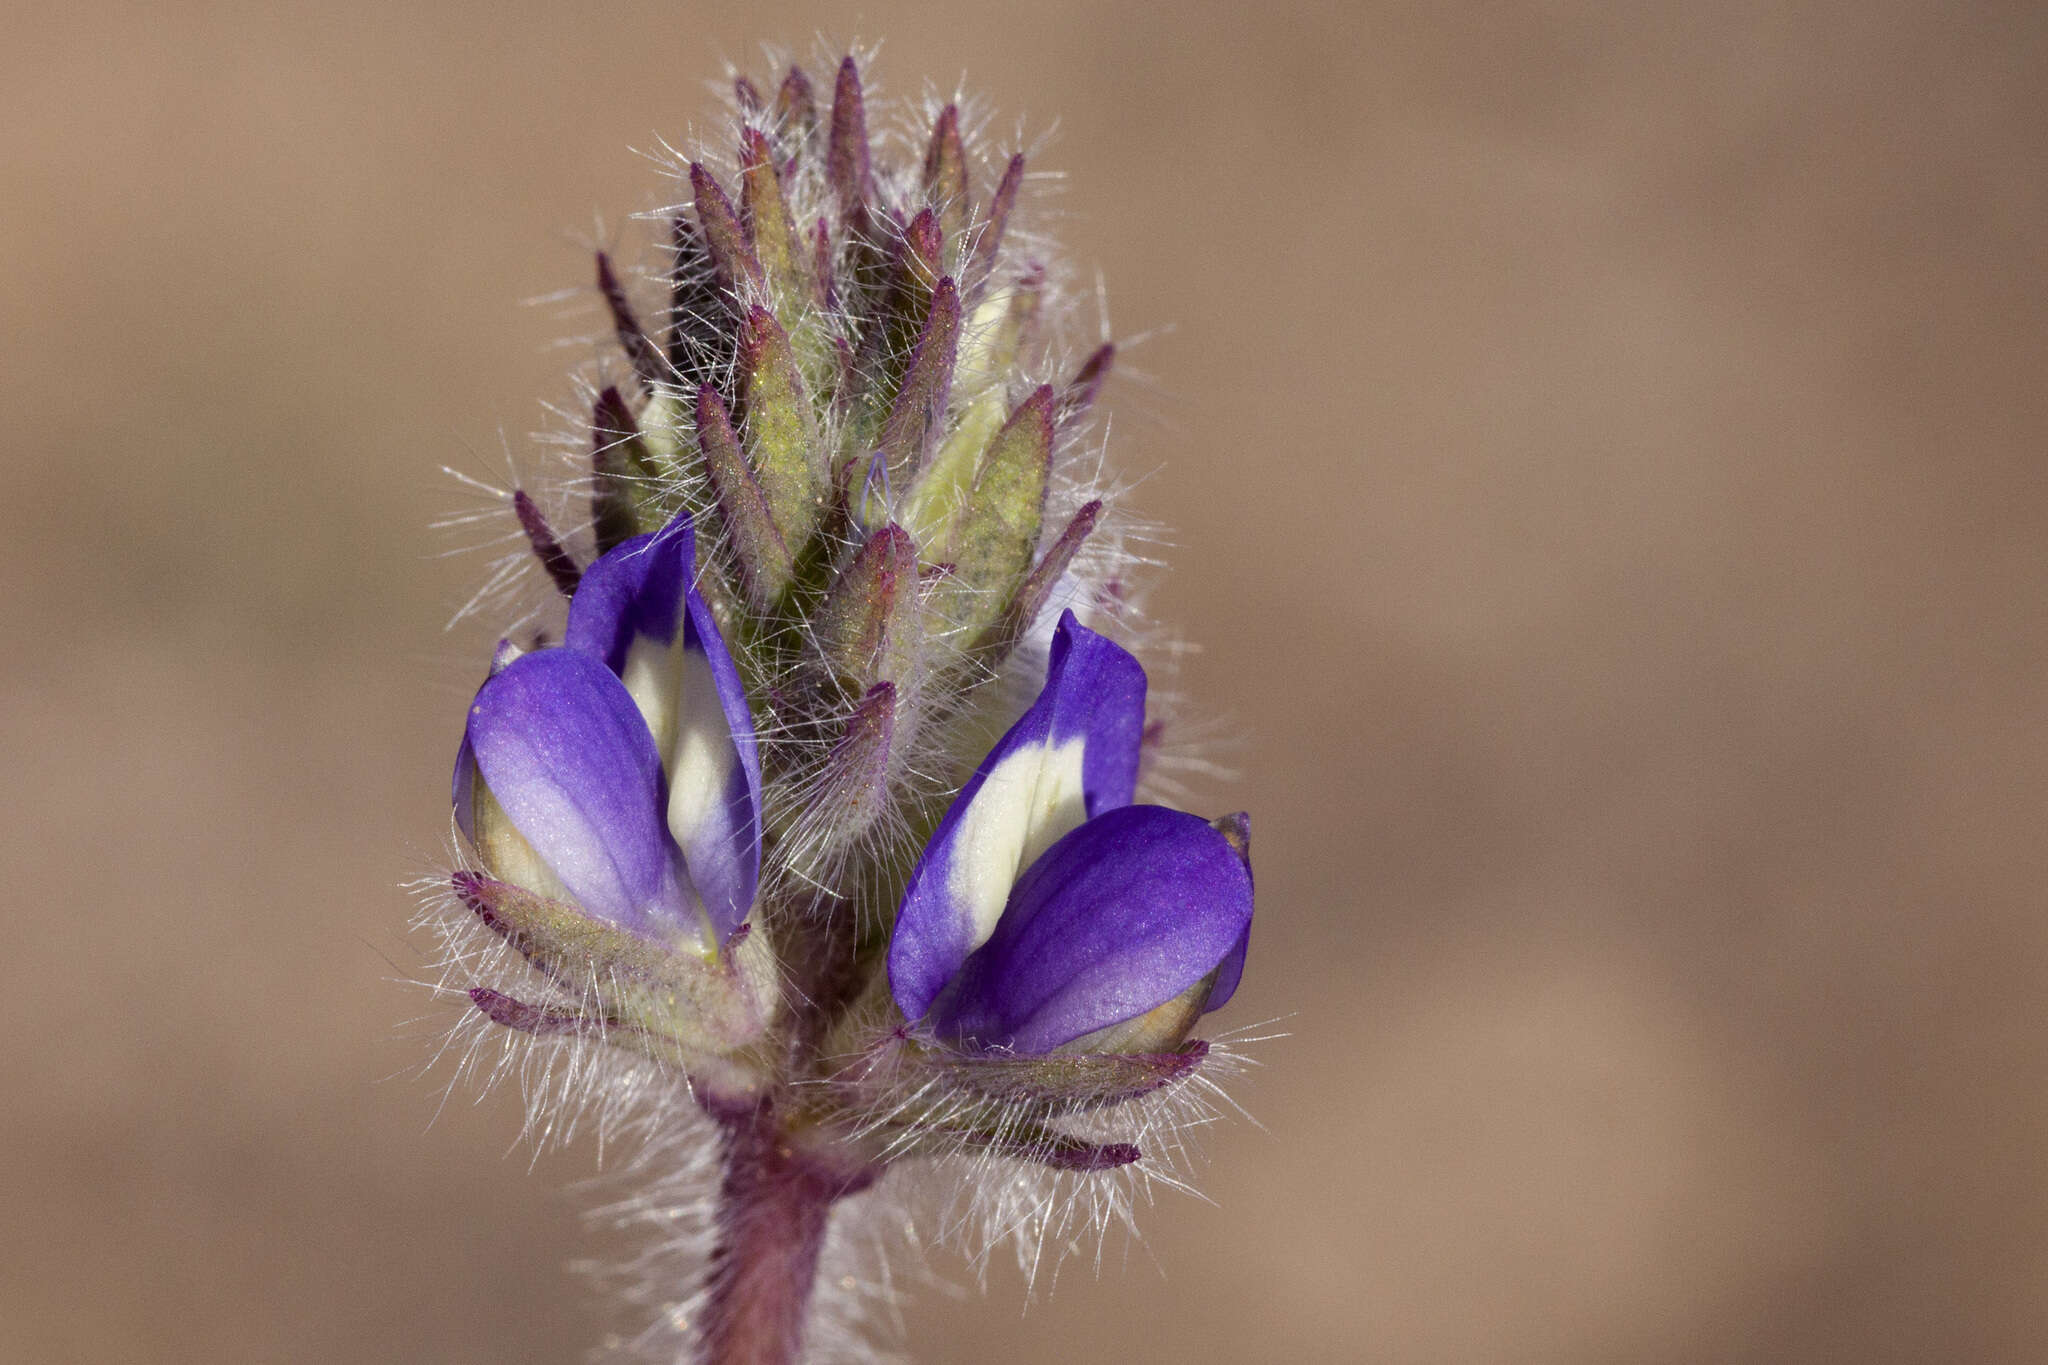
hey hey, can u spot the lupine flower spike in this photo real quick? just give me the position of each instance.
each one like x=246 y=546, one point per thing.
x=809 y=843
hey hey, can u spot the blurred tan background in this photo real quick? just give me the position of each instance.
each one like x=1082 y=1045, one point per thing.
x=1605 y=447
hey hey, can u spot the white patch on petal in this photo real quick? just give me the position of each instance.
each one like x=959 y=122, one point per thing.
x=1160 y=1029
x=653 y=676
x=504 y=851
x=700 y=757
x=1027 y=803
x=678 y=698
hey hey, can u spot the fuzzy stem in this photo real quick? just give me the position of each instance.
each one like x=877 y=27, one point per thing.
x=773 y=1205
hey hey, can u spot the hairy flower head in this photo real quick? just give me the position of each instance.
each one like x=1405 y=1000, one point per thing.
x=820 y=805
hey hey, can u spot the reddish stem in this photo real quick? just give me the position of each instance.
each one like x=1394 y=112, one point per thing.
x=772 y=1210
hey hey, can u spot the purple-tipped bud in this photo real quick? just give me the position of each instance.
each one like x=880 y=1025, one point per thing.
x=868 y=626
x=889 y=346
x=988 y=241
x=796 y=112
x=945 y=174
x=846 y=158
x=764 y=559
x=765 y=214
x=920 y=405
x=921 y=259
x=619 y=465
x=781 y=429
x=725 y=237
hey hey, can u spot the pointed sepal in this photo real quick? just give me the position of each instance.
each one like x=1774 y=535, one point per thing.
x=645 y=356
x=795 y=114
x=1032 y=1142
x=765 y=563
x=781 y=430
x=626 y=447
x=1037 y=589
x=725 y=236
x=997 y=529
x=919 y=410
x=622 y=471
x=988 y=241
x=846 y=155
x=545 y=544
x=945 y=175
x=1081 y=391
x=868 y=625
x=778 y=245
x=541 y=1021
x=679 y=1007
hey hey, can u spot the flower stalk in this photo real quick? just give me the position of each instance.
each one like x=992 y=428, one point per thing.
x=774 y=1198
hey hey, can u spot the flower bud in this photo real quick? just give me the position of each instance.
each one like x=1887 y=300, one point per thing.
x=610 y=788
x=1048 y=912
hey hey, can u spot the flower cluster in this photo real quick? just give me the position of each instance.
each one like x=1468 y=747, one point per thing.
x=825 y=802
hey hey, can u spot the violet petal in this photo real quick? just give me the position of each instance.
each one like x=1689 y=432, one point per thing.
x=563 y=750
x=633 y=594
x=714 y=804
x=1073 y=755
x=1229 y=973
x=638 y=611
x=1120 y=916
x=463 y=789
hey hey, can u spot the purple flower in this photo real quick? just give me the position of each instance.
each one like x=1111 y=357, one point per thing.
x=619 y=771
x=1048 y=910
